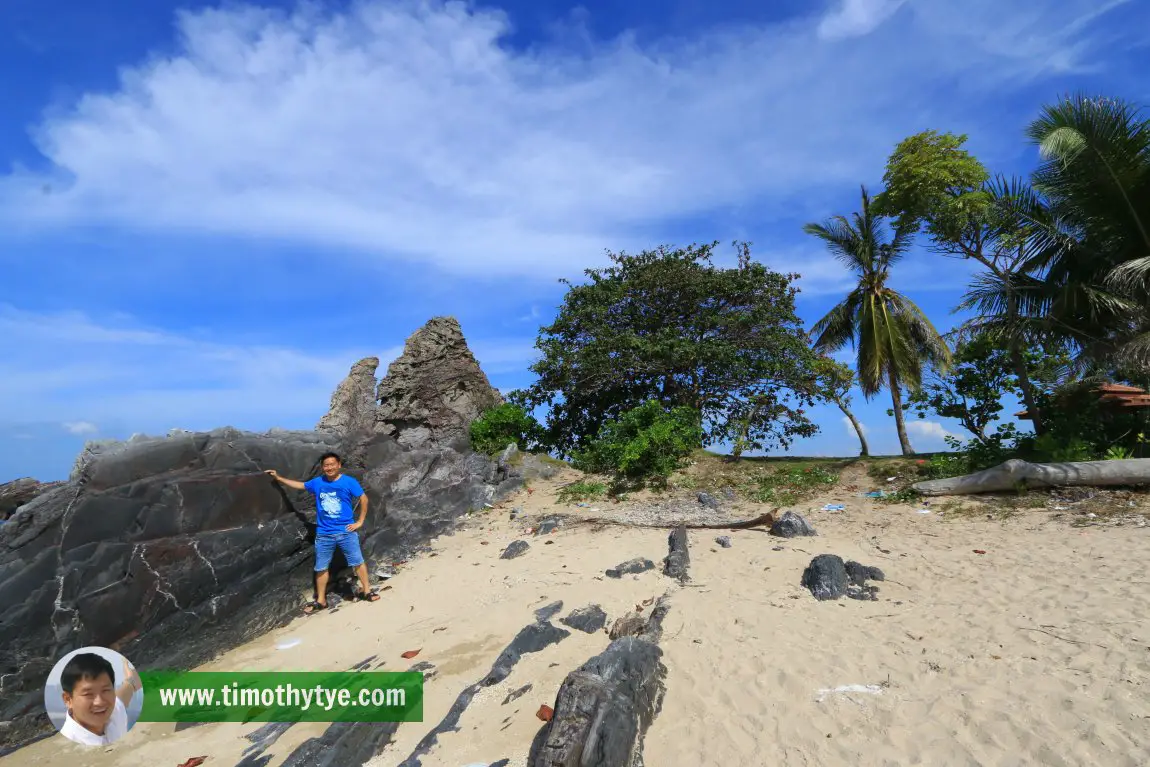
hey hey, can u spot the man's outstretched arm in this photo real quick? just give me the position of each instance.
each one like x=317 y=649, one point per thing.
x=295 y=484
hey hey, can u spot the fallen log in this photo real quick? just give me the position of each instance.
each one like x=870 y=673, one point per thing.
x=759 y=521
x=1016 y=474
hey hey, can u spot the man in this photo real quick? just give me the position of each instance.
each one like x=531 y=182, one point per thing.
x=97 y=711
x=334 y=494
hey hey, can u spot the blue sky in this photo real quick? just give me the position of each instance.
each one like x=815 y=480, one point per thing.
x=210 y=212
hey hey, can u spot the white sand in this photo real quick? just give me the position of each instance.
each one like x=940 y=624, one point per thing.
x=1037 y=652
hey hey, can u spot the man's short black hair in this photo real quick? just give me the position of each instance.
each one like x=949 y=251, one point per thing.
x=327 y=455
x=86 y=665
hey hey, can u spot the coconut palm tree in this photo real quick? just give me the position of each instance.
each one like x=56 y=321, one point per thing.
x=892 y=336
x=1091 y=214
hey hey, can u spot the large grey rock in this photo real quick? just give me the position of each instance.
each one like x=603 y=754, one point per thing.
x=678 y=559
x=604 y=708
x=353 y=408
x=174 y=549
x=792 y=525
x=586 y=619
x=435 y=389
x=15 y=494
x=828 y=577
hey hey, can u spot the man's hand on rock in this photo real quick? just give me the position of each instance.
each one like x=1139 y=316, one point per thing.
x=271 y=473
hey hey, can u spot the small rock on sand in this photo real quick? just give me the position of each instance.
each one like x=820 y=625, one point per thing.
x=637 y=565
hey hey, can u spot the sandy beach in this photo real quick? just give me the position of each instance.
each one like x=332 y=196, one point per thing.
x=1036 y=652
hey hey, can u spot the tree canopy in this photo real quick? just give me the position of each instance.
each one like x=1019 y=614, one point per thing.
x=670 y=325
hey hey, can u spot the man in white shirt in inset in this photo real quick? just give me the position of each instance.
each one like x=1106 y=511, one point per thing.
x=97 y=711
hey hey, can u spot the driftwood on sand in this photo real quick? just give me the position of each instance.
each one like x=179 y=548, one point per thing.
x=759 y=521
x=1016 y=474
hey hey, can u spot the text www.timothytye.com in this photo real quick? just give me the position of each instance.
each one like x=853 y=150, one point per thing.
x=285 y=696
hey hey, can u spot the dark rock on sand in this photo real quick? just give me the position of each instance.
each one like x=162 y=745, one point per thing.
x=679 y=557
x=792 y=525
x=604 y=708
x=708 y=500
x=547 y=612
x=515 y=549
x=724 y=541
x=828 y=577
x=586 y=619
x=516 y=694
x=631 y=567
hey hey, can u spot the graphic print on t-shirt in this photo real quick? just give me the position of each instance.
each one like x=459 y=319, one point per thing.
x=329 y=502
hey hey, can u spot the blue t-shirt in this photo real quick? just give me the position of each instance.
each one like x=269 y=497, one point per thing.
x=334 y=502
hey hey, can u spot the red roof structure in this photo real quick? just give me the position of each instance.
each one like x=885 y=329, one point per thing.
x=1118 y=395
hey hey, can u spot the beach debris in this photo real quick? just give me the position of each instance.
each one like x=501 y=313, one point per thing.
x=708 y=500
x=631 y=566
x=631 y=624
x=979 y=551
x=891 y=479
x=875 y=494
x=547 y=526
x=195 y=761
x=846 y=689
x=515 y=694
x=834 y=507
x=545 y=713
x=724 y=541
x=679 y=558
x=792 y=525
x=410 y=654
x=515 y=549
x=483 y=543
x=828 y=577
x=586 y=619
x=547 y=612
x=729 y=493
x=548 y=542
x=287 y=644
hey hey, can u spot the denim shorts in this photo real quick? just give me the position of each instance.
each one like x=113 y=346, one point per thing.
x=325 y=546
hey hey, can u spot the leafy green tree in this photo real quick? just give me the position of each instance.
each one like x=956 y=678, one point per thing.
x=981 y=373
x=646 y=443
x=671 y=326
x=835 y=380
x=892 y=336
x=934 y=185
x=502 y=425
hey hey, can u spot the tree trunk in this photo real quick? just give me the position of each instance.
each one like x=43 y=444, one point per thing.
x=896 y=398
x=1027 y=389
x=864 y=451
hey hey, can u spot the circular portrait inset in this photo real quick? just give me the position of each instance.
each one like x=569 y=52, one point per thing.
x=93 y=696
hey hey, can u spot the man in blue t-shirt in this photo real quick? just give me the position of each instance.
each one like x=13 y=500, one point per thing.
x=336 y=498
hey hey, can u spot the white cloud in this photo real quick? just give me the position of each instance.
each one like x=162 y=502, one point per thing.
x=853 y=18
x=76 y=370
x=409 y=130
x=928 y=430
x=80 y=427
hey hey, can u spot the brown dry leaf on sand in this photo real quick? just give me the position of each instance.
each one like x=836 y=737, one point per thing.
x=410 y=654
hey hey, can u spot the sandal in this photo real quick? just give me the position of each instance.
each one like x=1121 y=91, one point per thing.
x=371 y=596
x=311 y=608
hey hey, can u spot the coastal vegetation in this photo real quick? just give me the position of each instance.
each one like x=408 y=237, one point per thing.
x=664 y=352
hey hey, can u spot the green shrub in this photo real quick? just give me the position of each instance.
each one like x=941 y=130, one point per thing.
x=499 y=426
x=947 y=465
x=583 y=490
x=647 y=442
